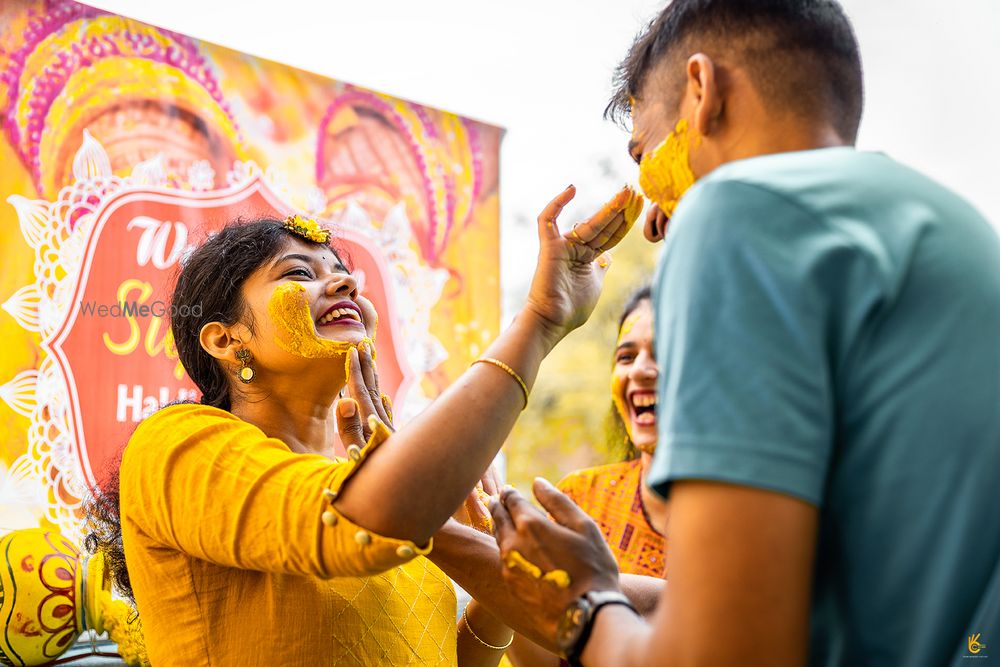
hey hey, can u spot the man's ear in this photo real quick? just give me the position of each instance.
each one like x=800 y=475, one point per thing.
x=703 y=88
x=219 y=341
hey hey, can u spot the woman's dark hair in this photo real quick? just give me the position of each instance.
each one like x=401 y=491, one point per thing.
x=208 y=289
x=619 y=442
x=212 y=277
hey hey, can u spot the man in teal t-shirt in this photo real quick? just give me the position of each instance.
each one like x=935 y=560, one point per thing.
x=829 y=329
x=828 y=333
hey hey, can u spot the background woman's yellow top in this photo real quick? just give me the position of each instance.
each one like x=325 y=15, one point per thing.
x=612 y=496
x=232 y=563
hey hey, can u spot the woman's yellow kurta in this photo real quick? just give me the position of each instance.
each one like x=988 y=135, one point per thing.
x=237 y=557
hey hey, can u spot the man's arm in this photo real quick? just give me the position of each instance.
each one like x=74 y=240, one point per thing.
x=644 y=592
x=740 y=565
x=741 y=572
x=472 y=560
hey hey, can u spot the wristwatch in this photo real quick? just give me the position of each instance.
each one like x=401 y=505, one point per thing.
x=578 y=622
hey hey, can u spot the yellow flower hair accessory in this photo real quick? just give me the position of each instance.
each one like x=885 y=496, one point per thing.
x=307 y=228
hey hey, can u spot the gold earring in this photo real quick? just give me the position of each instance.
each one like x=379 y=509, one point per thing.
x=246 y=372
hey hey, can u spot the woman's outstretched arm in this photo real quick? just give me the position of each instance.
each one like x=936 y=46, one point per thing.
x=409 y=487
x=201 y=481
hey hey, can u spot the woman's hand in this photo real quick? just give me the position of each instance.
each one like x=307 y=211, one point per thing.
x=362 y=386
x=368 y=315
x=475 y=511
x=571 y=265
x=441 y=453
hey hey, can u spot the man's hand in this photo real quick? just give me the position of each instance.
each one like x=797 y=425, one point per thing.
x=571 y=541
x=656 y=225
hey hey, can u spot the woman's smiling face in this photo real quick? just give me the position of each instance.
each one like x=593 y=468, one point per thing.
x=633 y=380
x=304 y=304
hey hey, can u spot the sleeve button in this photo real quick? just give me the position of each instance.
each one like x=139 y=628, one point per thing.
x=363 y=538
x=405 y=552
x=329 y=495
x=354 y=453
x=329 y=518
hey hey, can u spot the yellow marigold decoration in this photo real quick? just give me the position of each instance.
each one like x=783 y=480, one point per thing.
x=307 y=228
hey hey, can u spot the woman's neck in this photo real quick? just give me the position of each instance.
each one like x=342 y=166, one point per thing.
x=304 y=423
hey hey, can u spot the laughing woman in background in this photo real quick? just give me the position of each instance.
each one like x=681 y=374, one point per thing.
x=631 y=517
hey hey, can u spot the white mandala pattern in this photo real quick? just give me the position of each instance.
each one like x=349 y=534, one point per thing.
x=57 y=231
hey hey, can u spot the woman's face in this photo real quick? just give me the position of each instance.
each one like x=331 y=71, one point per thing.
x=305 y=306
x=633 y=381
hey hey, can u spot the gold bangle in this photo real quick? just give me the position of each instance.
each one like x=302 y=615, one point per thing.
x=510 y=371
x=465 y=619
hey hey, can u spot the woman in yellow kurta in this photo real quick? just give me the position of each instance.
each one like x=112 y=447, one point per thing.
x=241 y=532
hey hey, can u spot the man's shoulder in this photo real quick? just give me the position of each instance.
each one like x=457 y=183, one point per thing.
x=838 y=181
x=808 y=181
x=791 y=170
x=858 y=199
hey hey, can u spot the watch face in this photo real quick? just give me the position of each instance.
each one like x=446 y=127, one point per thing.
x=572 y=624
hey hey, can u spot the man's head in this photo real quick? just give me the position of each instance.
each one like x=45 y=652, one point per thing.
x=750 y=77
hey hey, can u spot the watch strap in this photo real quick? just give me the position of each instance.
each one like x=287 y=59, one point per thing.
x=597 y=600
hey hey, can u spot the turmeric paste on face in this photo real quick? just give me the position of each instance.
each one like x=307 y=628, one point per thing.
x=616 y=381
x=296 y=333
x=619 y=401
x=665 y=172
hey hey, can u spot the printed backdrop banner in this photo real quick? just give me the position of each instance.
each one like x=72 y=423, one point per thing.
x=123 y=145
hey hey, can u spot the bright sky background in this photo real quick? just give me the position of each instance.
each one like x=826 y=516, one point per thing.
x=542 y=69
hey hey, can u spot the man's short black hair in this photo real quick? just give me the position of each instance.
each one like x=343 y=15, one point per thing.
x=801 y=55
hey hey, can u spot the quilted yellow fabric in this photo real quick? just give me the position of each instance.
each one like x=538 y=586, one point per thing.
x=237 y=557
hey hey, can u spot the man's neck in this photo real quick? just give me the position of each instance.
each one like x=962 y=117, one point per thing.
x=783 y=137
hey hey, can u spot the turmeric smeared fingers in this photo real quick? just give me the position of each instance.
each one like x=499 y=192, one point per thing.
x=619 y=234
x=634 y=208
x=609 y=232
x=592 y=232
x=515 y=561
x=558 y=578
x=631 y=214
x=585 y=232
